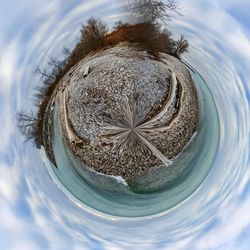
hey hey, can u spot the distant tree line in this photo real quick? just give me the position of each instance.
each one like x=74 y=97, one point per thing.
x=94 y=36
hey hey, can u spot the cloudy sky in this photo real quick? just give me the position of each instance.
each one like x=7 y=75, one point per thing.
x=36 y=212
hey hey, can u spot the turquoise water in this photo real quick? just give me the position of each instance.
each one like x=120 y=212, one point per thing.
x=109 y=196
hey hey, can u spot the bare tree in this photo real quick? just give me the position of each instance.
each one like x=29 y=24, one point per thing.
x=180 y=46
x=54 y=63
x=93 y=35
x=153 y=10
x=26 y=124
x=44 y=74
x=66 y=52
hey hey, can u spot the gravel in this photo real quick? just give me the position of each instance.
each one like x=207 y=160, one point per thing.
x=111 y=94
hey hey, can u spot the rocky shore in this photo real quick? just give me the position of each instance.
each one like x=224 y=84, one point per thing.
x=124 y=111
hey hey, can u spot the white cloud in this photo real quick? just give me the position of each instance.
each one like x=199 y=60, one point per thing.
x=26 y=244
x=239 y=42
x=7 y=125
x=8 y=62
x=233 y=219
x=9 y=183
x=8 y=76
x=216 y=21
x=15 y=230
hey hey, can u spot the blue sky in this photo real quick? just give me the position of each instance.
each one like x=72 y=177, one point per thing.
x=38 y=213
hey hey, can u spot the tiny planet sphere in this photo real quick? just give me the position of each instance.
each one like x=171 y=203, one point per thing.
x=125 y=112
